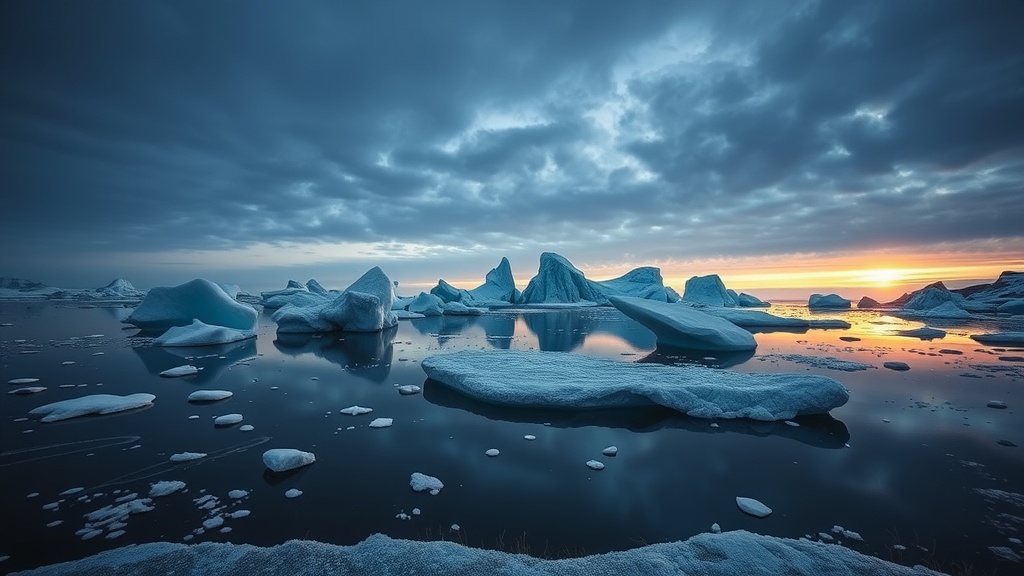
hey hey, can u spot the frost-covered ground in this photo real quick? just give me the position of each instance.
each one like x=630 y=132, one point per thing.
x=912 y=464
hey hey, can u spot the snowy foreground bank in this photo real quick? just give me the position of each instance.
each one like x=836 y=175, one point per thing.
x=728 y=553
x=529 y=379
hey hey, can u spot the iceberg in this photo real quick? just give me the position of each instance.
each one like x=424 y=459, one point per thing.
x=314 y=287
x=828 y=301
x=297 y=298
x=93 y=404
x=644 y=282
x=707 y=291
x=499 y=287
x=200 y=299
x=448 y=293
x=365 y=306
x=685 y=327
x=724 y=554
x=867 y=303
x=284 y=459
x=924 y=333
x=232 y=290
x=199 y=334
x=945 y=310
x=179 y=371
x=1014 y=307
x=559 y=282
x=427 y=304
x=751 y=301
x=530 y=379
x=933 y=296
x=1000 y=338
x=459 y=309
x=117 y=290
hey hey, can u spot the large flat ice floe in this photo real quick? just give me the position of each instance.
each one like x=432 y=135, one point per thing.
x=728 y=553
x=93 y=404
x=200 y=334
x=529 y=379
x=685 y=327
x=760 y=319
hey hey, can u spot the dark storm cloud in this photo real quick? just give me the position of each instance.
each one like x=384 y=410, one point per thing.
x=699 y=130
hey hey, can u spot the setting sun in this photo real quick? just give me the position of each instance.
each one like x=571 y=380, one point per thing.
x=883 y=277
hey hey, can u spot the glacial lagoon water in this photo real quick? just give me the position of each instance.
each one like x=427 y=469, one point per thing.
x=913 y=463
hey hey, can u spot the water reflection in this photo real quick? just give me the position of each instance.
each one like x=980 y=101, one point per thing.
x=820 y=431
x=671 y=356
x=367 y=354
x=567 y=330
x=212 y=359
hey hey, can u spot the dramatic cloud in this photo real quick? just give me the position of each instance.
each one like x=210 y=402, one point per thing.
x=609 y=131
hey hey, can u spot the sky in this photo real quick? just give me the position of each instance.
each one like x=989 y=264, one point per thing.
x=789 y=147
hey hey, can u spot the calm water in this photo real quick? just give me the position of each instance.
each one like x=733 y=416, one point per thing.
x=901 y=463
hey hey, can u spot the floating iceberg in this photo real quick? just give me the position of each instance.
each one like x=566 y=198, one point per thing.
x=282 y=459
x=93 y=404
x=725 y=554
x=528 y=379
x=685 y=327
x=949 y=310
x=644 y=282
x=753 y=507
x=199 y=334
x=828 y=301
x=867 y=303
x=499 y=287
x=459 y=309
x=559 y=282
x=933 y=296
x=1015 y=307
x=427 y=304
x=293 y=287
x=118 y=290
x=708 y=291
x=209 y=395
x=179 y=371
x=420 y=482
x=165 y=307
x=365 y=306
x=1000 y=338
x=760 y=319
x=924 y=333
x=751 y=301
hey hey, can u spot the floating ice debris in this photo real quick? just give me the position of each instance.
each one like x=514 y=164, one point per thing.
x=91 y=533
x=281 y=459
x=714 y=425
x=209 y=395
x=791 y=423
x=716 y=529
x=530 y=437
x=827 y=301
x=847 y=533
x=403 y=516
x=355 y=410
x=114 y=534
x=1006 y=443
x=752 y=507
x=215 y=522
x=179 y=371
x=27 y=390
x=610 y=451
x=1016 y=541
x=408 y=390
x=492 y=452
x=54 y=524
x=51 y=506
x=826 y=537
x=71 y=491
x=886 y=420
x=32 y=495
x=900 y=547
x=381 y=422
x=246 y=428
x=19 y=381
x=455 y=528
x=194 y=417
x=999 y=404
x=67 y=363
x=595 y=465
x=924 y=333
x=227 y=420
x=827 y=362
x=94 y=404
x=531 y=379
x=225 y=529
x=416 y=512
x=896 y=365
x=165 y=487
x=187 y=456
x=236 y=494
x=421 y=482
x=200 y=334
x=849 y=339
x=293 y=493
x=1001 y=338
x=238 y=514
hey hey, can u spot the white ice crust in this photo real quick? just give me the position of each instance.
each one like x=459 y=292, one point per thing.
x=531 y=379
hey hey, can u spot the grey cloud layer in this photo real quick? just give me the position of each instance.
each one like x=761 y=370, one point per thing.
x=656 y=129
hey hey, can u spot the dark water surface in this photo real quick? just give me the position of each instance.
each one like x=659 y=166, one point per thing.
x=907 y=461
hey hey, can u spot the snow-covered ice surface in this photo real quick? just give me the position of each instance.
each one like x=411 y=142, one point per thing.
x=179 y=371
x=365 y=306
x=165 y=487
x=552 y=380
x=826 y=362
x=201 y=334
x=209 y=395
x=828 y=301
x=199 y=299
x=753 y=507
x=761 y=319
x=421 y=482
x=92 y=404
x=725 y=554
x=1001 y=338
x=684 y=327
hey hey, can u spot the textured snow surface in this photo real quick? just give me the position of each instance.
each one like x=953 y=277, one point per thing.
x=685 y=327
x=725 y=554
x=365 y=306
x=420 y=482
x=165 y=487
x=281 y=459
x=93 y=404
x=753 y=507
x=199 y=299
x=530 y=379
x=559 y=282
x=201 y=334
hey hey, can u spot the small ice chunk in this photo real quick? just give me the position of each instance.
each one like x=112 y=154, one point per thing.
x=826 y=537
x=355 y=410
x=215 y=522
x=595 y=465
x=90 y=534
x=281 y=459
x=791 y=423
x=236 y=494
x=115 y=534
x=492 y=452
x=895 y=365
x=179 y=371
x=246 y=428
x=225 y=530
x=27 y=390
x=408 y=390
x=898 y=547
x=847 y=533
x=421 y=482
x=71 y=491
x=209 y=395
x=293 y=493
x=92 y=404
x=227 y=420
x=530 y=437
x=194 y=417
x=381 y=422
x=238 y=514
x=51 y=506
x=32 y=495
x=187 y=456
x=752 y=507
x=403 y=516
x=416 y=512
x=54 y=524
x=456 y=527
x=610 y=451
x=19 y=381
x=999 y=404
x=165 y=487
x=716 y=529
